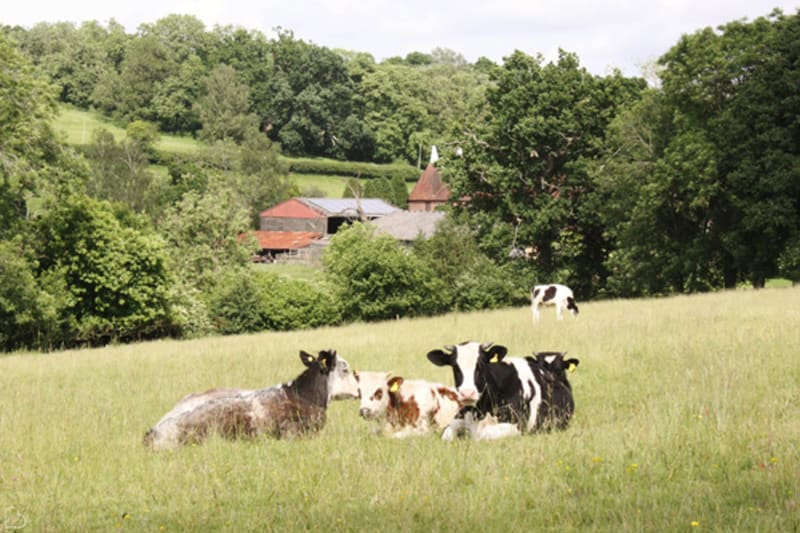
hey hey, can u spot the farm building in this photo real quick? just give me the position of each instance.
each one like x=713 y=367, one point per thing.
x=295 y=225
x=407 y=226
x=429 y=192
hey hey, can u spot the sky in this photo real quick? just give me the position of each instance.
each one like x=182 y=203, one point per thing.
x=605 y=34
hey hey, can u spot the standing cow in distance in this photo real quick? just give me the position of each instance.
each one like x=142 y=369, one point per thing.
x=294 y=408
x=558 y=295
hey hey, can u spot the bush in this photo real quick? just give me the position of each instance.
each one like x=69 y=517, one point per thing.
x=248 y=301
x=375 y=278
x=332 y=167
x=114 y=275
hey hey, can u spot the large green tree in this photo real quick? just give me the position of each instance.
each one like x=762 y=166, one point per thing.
x=526 y=169
x=702 y=177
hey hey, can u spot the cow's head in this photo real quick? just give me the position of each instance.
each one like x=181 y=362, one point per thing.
x=554 y=365
x=341 y=379
x=374 y=394
x=470 y=362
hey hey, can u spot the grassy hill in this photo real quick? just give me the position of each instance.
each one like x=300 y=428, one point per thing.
x=686 y=419
x=77 y=126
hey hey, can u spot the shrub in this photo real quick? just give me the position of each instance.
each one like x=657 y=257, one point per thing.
x=248 y=301
x=375 y=278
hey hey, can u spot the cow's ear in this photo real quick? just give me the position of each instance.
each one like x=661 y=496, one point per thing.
x=327 y=359
x=394 y=383
x=571 y=364
x=307 y=358
x=440 y=357
x=496 y=353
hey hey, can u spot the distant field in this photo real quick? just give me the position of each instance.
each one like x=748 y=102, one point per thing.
x=686 y=420
x=78 y=125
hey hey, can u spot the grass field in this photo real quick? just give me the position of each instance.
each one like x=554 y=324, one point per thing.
x=686 y=420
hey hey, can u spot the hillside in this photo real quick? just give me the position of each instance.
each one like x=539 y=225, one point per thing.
x=686 y=419
x=77 y=125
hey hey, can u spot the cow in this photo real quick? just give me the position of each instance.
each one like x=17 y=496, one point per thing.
x=293 y=408
x=558 y=295
x=521 y=394
x=405 y=407
x=557 y=405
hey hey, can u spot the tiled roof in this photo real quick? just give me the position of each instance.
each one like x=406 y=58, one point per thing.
x=283 y=240
x=429 y=187
x=292 y=208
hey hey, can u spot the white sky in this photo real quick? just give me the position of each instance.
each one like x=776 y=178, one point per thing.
x=605 y=34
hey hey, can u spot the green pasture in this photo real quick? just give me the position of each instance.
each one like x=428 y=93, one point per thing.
x=687 y=420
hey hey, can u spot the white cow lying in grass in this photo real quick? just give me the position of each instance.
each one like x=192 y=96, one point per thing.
x=294 y=408
x=557 y=295
x=405 y=407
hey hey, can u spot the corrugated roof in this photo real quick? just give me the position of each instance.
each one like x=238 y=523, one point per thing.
x=283 y=240
x=429 y=187
x=350 y=206
x=408 y=225
x=322 y=207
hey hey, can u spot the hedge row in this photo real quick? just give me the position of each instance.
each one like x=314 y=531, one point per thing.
x=353 y=169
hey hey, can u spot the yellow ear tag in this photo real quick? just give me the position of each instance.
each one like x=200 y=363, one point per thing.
x=572 y=367
x=323 y=363
x=494 y=359
x=395 y=387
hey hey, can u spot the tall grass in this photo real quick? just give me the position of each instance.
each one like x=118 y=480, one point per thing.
x=686 y=419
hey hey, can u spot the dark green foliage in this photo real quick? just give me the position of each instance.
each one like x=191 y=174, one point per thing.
x=399 y=171
x=375 y=278
x=469 y=280
x=28 y=313
x=248 y=301
x=526 y=169
x=115 y=274
x=393 y=191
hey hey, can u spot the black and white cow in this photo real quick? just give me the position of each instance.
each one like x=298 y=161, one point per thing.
x=520 y=394
x=297 y=407
x=557 y=405
x=557 y=295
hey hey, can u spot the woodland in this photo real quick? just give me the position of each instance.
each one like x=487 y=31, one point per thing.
x=688 y=181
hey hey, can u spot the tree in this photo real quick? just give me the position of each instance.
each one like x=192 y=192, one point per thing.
x=735 y=88
x=33 y=164
x=526 y=169
x=120 y=170
x=201 y=231
x=223 y=107
x=28 y=313
x=113 y=269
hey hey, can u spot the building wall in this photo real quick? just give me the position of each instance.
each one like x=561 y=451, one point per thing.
x=317 y=225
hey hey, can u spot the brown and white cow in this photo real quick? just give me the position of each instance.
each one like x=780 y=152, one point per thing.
x=405 y=407
x=294 y=408
x=558 y=295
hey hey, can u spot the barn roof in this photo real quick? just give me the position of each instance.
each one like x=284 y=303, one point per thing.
x=321 y=207
x=283 y=240
x=408 y=225
x=292 y=208
x=429 y=187
x=350 y=206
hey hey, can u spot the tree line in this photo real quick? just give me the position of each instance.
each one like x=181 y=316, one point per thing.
x=606 y=183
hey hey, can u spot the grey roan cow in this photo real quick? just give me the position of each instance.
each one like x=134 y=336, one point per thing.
x=293 y=408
